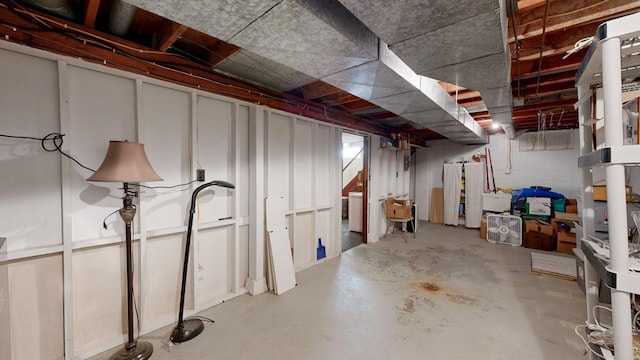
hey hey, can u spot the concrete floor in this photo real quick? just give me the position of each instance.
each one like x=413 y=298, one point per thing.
x=349 y=238
x=445 y=295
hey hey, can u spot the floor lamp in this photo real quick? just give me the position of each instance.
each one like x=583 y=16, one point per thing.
x=126 y=162
x=190 y=328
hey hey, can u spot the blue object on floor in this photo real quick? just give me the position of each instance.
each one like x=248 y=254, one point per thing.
x=321 y=252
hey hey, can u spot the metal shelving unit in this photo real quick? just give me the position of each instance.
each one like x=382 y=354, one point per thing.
x=613 y=56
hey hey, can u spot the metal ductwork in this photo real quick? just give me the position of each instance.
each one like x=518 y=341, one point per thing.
x=56 y=7
x=344 y=44
x=120 y=17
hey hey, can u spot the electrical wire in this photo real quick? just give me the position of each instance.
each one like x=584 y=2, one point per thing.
x=585 y=340
x=53 y=138
x=56 y=139
x=164 y=187
x=203 y=318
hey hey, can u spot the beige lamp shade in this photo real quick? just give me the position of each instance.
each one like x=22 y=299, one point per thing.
x=125 y=162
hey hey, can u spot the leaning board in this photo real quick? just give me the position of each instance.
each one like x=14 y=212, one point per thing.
x=556 y=264
x=280 y=259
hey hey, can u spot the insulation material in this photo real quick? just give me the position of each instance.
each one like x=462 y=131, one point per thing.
x=452 y=188
x=474 y=181
x=279 y=252
x=546 y=140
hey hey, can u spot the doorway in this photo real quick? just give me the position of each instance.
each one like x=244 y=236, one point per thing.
x=355 y=150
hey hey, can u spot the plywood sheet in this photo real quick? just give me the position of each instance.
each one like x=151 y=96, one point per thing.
x=281 y=261
x=436 y=211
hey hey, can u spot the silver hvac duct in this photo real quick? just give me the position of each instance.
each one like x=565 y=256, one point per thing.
x=120 y=17
x=57 y=7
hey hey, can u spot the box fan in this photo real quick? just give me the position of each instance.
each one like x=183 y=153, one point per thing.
x=504 y=229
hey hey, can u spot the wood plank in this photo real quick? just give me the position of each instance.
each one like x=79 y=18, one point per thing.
x=556 y=264
x=169 y=36
x=284 y=276
x=91 y=12
x=568 y=14
x=318 y=89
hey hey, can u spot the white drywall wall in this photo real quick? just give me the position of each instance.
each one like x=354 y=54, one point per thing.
x=557 y=169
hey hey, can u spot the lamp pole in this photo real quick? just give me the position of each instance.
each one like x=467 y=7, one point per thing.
x=132 y=348
x=190 y=328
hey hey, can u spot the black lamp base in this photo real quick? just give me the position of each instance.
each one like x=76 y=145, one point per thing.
x=141 y=351
x=187 y=330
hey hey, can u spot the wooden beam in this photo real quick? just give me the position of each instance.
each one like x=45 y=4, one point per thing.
x=318 y=89
x=545 y=89
x=169 y=36
x=558 y=42
x=221 y=52
x=90 y=12
x=550 y=65
x=358 y=105
x=568 y=14
x=529 y=4
x=464 y=94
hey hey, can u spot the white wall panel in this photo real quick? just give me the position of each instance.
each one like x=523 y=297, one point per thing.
x=105 y=104
x=101 y=108
x=166 y=111
x=215 y=149
x=243 y=259
x=99 y=296
x=304 y=161
x=242 y=183
x=324 y=229
x=213 y=267
x=559 y=173
x=303 y=243
x=30 y=107
x=165 y=258
x=279 y=138
x=5 y=314
x=325 y=167
x=36 y=308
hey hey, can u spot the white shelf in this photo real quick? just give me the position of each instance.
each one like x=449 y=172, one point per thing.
x=613 y=58
x=624 y=28
x=625 y=154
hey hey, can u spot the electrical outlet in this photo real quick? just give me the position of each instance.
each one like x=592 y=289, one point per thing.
x=200 y=174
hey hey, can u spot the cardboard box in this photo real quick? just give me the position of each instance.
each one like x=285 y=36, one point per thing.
x=538 y=240
x=398 y=209
x=537 y=226
x=600 y=193
x=539 y=206
x=565 y=216
x=571 y=206
x=558 y=228
x=483 y=228
x=565 y=242
x=496 y=202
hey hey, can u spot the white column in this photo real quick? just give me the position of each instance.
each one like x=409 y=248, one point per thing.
x=256 y=283
x=616 y=202
x=67 y=239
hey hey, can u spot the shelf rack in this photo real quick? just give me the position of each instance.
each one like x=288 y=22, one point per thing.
x=613 y=56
